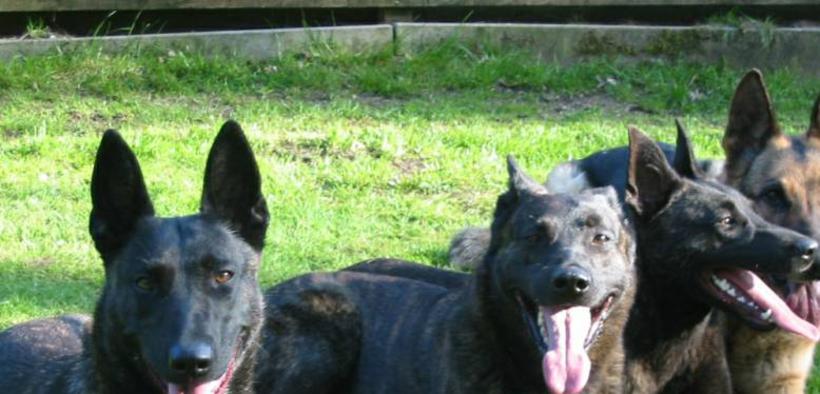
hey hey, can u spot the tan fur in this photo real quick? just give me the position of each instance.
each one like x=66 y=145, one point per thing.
x=781 y=142
x=771 y=362
x=774 y=362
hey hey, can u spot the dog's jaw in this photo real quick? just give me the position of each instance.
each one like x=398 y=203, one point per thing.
x=563 y=336
x=752 y=299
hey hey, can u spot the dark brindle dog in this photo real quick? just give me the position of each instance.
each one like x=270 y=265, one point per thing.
x=545 y=310
x=181 y=308
x=697 y=241
x=781 y=175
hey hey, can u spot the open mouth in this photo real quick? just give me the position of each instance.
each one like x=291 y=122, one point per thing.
x=563 y=335
x=802 y=299
x=746 y=294
x=218 y=386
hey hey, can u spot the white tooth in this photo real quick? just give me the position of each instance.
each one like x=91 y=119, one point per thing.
x=741 y=299
x=721 y=283
x=766 y=315
x=730 y=291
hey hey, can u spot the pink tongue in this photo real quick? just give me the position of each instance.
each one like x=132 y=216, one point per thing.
x=566 y=364
x=803 y=301
x=203 y=388
x=763 y=296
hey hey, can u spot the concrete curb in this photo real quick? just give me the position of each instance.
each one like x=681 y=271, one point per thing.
x=250 y=44
x=798 y=48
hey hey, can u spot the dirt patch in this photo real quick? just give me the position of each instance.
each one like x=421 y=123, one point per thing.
x=314 y=147
x=41 y=262
x=566 y=104
x=410 y=166
x=12 y=133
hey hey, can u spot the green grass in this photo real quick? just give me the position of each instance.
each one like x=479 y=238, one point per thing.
x=363 y=155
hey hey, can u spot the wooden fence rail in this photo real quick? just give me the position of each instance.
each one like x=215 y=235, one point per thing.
x=92 y=5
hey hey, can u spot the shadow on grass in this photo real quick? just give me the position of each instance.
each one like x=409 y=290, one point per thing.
x=41 y=292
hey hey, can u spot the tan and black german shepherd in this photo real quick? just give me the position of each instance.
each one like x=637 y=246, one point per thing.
x=781 y=174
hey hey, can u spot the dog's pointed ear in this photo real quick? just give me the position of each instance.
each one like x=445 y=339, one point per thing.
x=751 y=124
x=119 y=197
x=814 y=124
x=650 y=179
x=685 y=163
x=520 y=182
x=232 y=190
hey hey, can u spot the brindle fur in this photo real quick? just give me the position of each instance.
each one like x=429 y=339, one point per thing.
x=125 y=349
x=392 y=326
x=674 y=338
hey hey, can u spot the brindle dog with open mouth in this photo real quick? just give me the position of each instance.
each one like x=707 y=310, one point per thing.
x=180 y=310
x=544 y=312
x=698 y=242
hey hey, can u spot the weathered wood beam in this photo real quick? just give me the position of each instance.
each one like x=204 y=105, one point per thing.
x=90 y=5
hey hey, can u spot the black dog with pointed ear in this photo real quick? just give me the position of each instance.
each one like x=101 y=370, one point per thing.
x=232 y=189
x=181 y=308
x=118 y=195
x=696 y=243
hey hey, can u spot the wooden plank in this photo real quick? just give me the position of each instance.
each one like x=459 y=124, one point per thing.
x=90 y=5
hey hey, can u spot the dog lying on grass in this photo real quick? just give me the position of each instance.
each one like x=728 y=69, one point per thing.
x=544 y=312
x=697 y=241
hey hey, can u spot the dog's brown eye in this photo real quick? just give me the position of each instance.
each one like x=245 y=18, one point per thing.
x=223 y=277
x=145 y=283
x=600 y=238
x=728 y=221
x=775 y=197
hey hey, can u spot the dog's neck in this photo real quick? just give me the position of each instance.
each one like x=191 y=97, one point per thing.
x=664 y=323
x=497 y=323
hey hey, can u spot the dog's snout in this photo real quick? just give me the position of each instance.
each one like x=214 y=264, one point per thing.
x=193 y=360
x=572 y=281
x=805 y=250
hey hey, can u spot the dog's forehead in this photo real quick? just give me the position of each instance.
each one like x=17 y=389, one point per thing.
x=795 y=164
x=707 y=192
x=185 y=240
x=570 y=208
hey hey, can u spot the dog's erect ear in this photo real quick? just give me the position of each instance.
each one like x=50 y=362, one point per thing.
x=685 y=163
x=232 y=189
x=814 y=124
x=751 y=124
x=650 y=179
x=118 y=195
x=520 y=182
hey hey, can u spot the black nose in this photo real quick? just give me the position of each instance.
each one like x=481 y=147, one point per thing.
x=571 y=281
x=805 y=250
x=192 y=360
